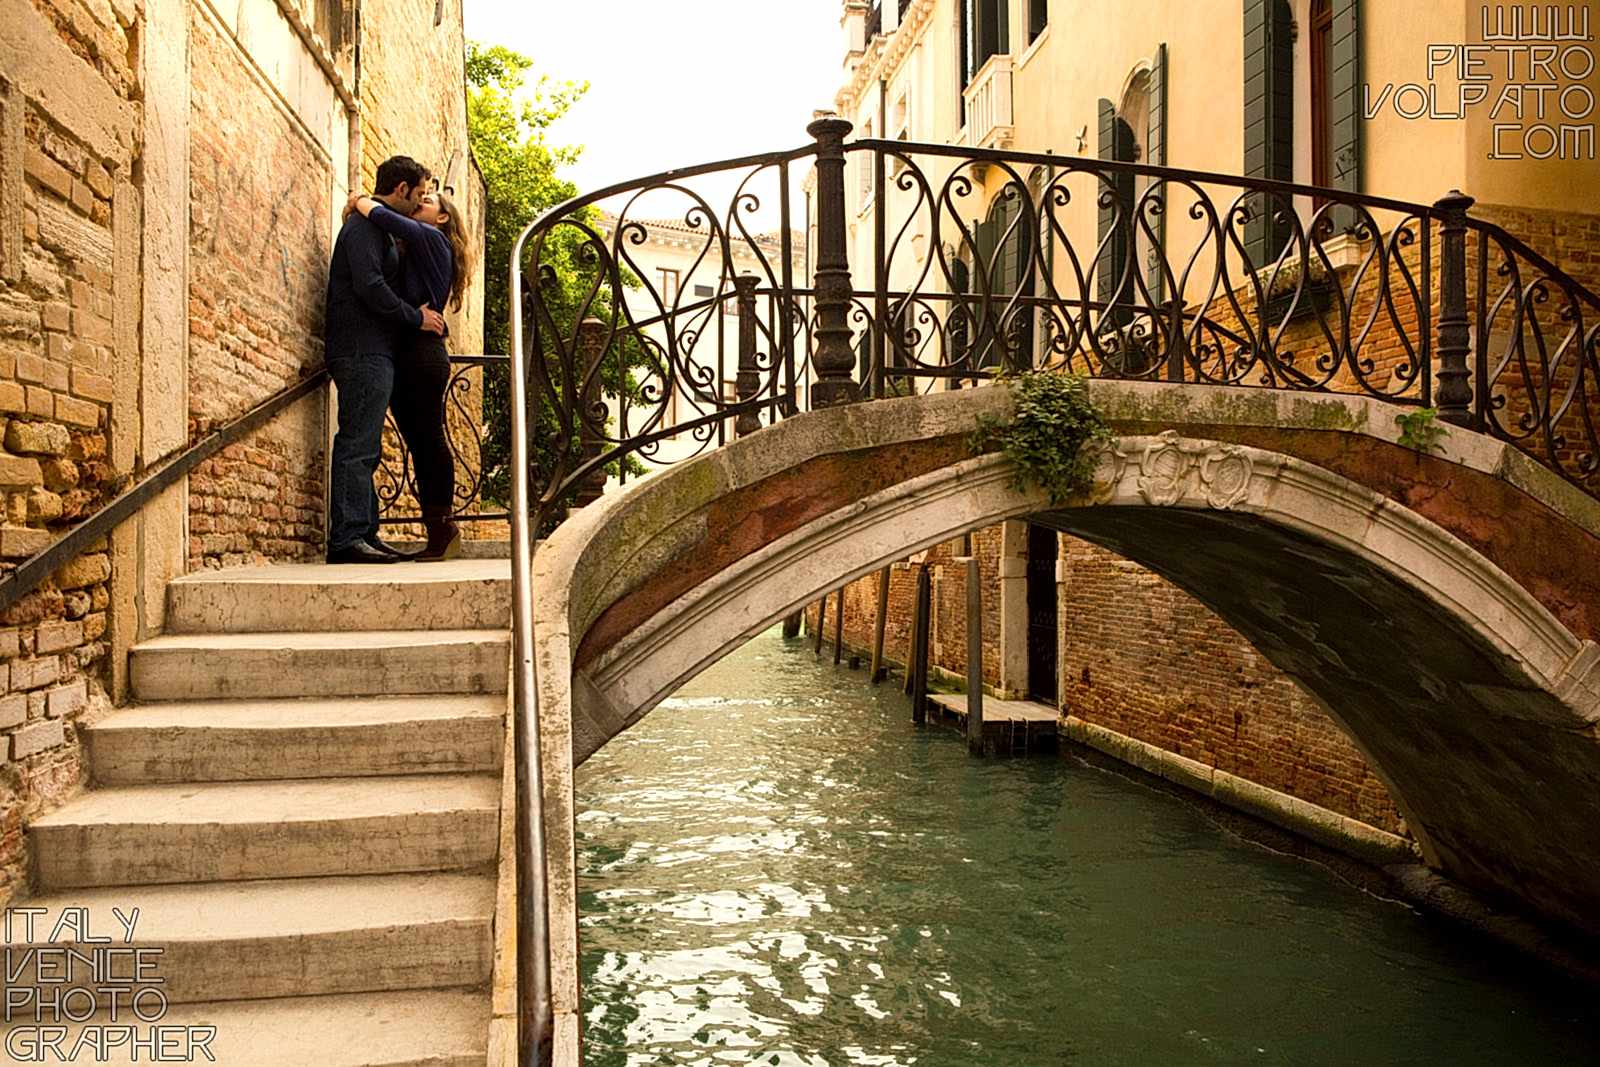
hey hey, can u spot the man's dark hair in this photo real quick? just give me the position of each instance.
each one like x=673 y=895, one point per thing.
x=396 y=170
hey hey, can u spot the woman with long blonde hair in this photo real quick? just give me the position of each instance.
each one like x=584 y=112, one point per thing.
x=436 y=264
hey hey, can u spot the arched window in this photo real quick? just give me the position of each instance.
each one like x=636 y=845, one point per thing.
x=1132 y=130
x=1006 y=241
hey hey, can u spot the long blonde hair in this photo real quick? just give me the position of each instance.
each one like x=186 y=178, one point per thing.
x=454 y=230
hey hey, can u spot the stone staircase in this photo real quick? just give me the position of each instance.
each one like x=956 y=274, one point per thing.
x=304 y=804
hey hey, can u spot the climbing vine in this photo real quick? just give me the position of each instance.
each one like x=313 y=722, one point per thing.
x=1420 y=431
x=1052 y=420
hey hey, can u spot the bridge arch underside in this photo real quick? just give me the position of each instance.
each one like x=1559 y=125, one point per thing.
x=1494 y=771
x=1468 y=695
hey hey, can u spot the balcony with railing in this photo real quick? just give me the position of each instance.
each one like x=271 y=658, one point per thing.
x=990 y=123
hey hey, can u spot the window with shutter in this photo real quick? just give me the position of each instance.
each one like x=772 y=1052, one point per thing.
x=1115 y=284
x=1155 y=152
x=1268 y=120
x=1007 y=244
x=1344 y=120
x=985 y=32
x=1320 y=53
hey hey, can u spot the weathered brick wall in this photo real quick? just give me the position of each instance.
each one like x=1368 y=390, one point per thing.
x=72 y=327
x=413 y=86
x=258 y=266
x=58 y=350
x=1143 y=658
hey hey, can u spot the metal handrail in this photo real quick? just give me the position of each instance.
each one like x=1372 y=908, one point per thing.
x=39 y=566
x=534 y=1011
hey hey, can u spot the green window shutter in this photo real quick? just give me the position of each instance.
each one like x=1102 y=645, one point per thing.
x=1268 y=119
x=987 y=304
x=1155 y=277
x=1115 y=216
x=1344 y=120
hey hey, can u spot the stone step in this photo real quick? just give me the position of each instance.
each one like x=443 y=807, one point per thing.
x=289 y=937
x=238 y=831
x=221 y=741
x=434 y=1028
x=450 y=595
x=353 y=663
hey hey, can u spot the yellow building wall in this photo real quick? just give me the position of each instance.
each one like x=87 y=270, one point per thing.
x=1091 y=47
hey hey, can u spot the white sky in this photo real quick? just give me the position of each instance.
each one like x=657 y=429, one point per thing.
x=674 y=82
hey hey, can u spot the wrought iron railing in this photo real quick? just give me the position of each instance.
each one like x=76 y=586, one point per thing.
x=476 y=383
x=961 y=263
x=983 y=261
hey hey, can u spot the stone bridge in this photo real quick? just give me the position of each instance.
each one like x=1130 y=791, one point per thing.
x=1443 y=608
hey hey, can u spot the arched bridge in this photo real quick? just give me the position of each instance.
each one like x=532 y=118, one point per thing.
x=1442 y=608
x=1441 y=604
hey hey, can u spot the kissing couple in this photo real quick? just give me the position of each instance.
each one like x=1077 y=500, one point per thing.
x=400 y=258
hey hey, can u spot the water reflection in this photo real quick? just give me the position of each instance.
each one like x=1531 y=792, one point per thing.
x=777 y=868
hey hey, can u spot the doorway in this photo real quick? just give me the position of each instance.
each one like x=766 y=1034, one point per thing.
x=1043 y=636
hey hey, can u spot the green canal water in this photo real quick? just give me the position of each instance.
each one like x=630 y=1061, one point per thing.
x=776 y=867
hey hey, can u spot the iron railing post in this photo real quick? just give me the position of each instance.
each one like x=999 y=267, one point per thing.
x=833 y=356
x=1455 y=333
x=1177 y=341
x=747 y=386
x=880 y=266
x=591 y=352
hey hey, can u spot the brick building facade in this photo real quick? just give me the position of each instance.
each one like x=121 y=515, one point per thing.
x=171 y=173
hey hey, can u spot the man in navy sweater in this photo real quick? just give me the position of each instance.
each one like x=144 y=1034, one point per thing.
x=366 y=323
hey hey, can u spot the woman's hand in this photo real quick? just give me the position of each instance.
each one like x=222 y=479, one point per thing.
x=357 y=202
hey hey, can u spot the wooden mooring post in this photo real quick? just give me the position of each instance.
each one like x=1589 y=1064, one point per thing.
x=974 y=659
x=791 y=624
x=878 y=626
x=917 y=662
x=822 y=622
x=838 y=628
x=910 y=680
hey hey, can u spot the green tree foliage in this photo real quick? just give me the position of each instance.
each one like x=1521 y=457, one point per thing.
x=510 y=142
x=509 y=133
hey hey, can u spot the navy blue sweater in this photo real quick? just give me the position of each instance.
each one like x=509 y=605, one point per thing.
x=365 y=314
x=430 y=263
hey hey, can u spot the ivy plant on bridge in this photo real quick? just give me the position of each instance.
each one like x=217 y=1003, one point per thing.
x=1052 y=421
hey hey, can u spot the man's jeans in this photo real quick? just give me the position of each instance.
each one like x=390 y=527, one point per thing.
x=364 y=383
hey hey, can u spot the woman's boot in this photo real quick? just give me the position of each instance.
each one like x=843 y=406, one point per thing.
x=444 y=540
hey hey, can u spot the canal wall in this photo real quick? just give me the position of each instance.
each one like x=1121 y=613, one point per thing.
x=1137 y=658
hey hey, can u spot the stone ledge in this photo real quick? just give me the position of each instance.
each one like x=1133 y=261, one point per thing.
x=1325 y=827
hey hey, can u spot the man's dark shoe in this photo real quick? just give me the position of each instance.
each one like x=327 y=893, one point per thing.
x=361 y=552
x=386 y=548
